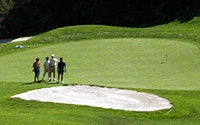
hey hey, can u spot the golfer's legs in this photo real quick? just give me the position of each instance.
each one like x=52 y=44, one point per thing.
x=38 y=74
x=61 y=76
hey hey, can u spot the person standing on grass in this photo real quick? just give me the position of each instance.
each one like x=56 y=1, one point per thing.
x=52 y=66
x=46 y=68
x=61 y=70
x=36 y=70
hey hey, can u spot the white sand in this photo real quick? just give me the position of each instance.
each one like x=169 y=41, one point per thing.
x=14 y=40
x=21 y=39
x=110 y=98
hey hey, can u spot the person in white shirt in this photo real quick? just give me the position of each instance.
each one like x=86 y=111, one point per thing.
x=46 y=68
x=52 y=67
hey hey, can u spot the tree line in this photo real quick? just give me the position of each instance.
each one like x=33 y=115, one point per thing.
x=27 y=17
x=5 y=6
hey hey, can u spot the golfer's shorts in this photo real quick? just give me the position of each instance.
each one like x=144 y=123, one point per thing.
x=60 y=71
x=52 y=69
x=46 y=69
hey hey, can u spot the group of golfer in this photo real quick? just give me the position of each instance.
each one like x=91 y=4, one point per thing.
x=50 y=66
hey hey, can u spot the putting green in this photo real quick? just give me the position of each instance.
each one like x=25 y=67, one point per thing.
x=126 y=62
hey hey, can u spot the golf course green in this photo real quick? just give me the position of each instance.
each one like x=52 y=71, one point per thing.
x=162 y=60
x=124 y=62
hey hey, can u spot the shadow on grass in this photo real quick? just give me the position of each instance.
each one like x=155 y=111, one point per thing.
x=30 y=83
x=56 y=84
x=75 y=84
x=40 y=82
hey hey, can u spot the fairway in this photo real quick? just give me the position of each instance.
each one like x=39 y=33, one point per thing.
x=123 y=62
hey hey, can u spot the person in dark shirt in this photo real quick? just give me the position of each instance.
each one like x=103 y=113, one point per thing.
x=61 y=70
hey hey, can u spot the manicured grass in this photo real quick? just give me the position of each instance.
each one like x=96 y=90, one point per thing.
x=128 y=58
x=16 y=111
x=127 y=63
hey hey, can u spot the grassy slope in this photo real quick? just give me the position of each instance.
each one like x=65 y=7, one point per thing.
x=185 y=103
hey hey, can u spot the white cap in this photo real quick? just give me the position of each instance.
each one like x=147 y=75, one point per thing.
x=52 y=55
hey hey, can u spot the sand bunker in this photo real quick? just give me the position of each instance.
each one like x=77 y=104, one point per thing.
x=21 y=39
x=14 y=40
x=110 y=98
